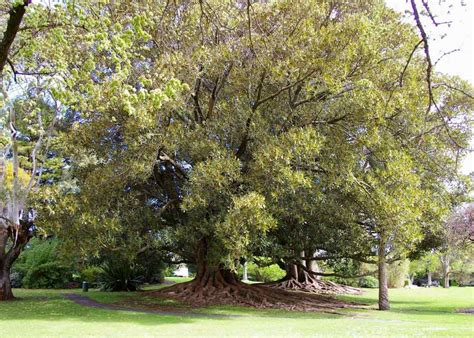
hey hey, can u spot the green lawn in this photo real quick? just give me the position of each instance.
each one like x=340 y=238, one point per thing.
x=417 y=312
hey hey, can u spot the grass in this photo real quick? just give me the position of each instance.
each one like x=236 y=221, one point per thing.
x=415 y=312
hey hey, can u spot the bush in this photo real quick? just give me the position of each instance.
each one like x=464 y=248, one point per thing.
x=50 y=275
x=345 y=267
x=91 y=275
x=271 y=273
x=263 y=274
x=150 y=268
x=16 y=279
x=40 y=266
x=397 y=273
x=120 y=275
x=368 y=282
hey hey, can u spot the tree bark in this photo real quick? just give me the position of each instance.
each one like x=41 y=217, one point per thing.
x=383 y=277
x=8 y=257
x=445 y=261
x=5 y=285
x=13 y=25
x=446 y=280
x=312 y=265
x=211 y=282
x=430 y=283
x=298 y=279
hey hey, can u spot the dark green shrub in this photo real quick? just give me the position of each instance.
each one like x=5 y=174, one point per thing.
x=345 y=267
x=150 y=268
x=120 y=275
x=41 y=266
x=16 y=279
x=368 y=282
x=50 y=275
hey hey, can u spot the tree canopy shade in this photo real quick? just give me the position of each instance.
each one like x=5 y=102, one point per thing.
x=217 y=130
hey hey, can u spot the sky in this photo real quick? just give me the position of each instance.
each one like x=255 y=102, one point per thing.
x=458 y=35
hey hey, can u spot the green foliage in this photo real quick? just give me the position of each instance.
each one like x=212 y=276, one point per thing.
x=90 y=274
x=268 y=273
x=41 y=266
x=117 y=275
x=16 y=279
x=251 y=139
x=398 y=273
x=122 y=273
x=344 y=267
x=368 y=282
x=47 y=275
x=420 y=267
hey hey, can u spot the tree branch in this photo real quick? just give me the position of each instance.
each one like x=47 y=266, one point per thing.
x=13 y=25
x=400 y=81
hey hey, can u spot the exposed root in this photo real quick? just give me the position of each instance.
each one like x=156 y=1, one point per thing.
x=315 y=286
x=259 y=296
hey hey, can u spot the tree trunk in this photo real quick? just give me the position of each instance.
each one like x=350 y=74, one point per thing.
x=8 y=257
x=383 y=277
x=446 y=280
x=245 y=276
x=218 y=285
x=430 y=283
x=299 y=279
x=445 y=261
x=211 y=283
x=312 y=265
x=5 y=285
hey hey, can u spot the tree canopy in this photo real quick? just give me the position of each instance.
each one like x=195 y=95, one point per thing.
x=215 y=130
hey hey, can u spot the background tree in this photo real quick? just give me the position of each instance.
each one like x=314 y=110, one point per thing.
x=457 y=240
x=29 y=112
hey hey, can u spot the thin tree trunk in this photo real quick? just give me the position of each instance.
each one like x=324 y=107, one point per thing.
x=245 y=277
x=312 y=265
x=430 y=283
x=446 y=280
x=383 y=277
x=445 y=263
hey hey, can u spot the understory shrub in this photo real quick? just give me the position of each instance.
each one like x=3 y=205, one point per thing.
x=397 y=273
x=41 y=266
x=16 y=279
x=262 y=274
x=150 y=268
x=120 y=275
x=50 y=275
x=345 y=267
x=91 y=275
x=368 y=282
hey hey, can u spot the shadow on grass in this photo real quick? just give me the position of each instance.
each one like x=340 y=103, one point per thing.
x=420 y=307
x=48 y=305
